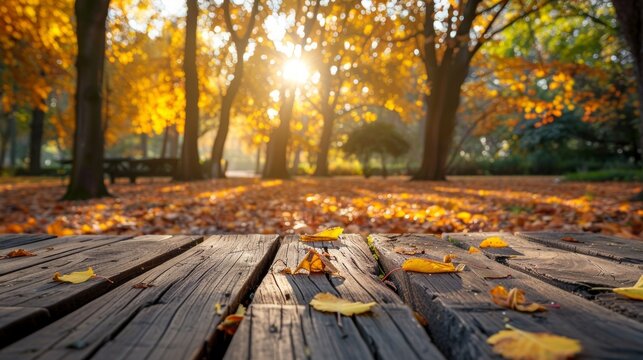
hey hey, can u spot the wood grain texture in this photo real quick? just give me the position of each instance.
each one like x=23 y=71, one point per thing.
x=574 y=272
x=10 y=241
x=461 y=315
x=282 y=329
x=17 y=322
x=299 y=332
x=174 y=319
x=608 y=247
x=55 y=248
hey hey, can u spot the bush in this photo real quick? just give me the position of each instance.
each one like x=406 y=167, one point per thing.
x=634 y=175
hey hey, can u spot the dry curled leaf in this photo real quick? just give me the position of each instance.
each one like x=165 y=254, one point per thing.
x=314 y=262
x=569 y=239
x=142 y=285
x=513 y=299
x=517 y=344
x=75 y=277
x=429 y=266
x=473 y=250
x=407 y=250
x=635 y=292
x=325 y=235
x=231 y=323
x=493 y=242
x=448 y=258
x=19 y=253
x=331 y=303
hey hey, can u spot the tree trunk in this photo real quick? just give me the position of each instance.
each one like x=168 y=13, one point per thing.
x=35 y=140
x=296 y=159
x=86 y=179
x=258 y=160
x=143 y=138
x=13 y=141
x=189 y=167
x=324 y=143
x=164 y=142
x=630 y=17
x=276 y=157
x=174 y=142
x=442 y=106
x=384 y=170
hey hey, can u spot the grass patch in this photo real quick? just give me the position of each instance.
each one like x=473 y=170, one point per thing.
x=628 y=175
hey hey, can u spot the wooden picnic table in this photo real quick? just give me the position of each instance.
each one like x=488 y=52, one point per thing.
x=196 y=281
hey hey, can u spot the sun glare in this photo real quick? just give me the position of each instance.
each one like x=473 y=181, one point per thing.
x=295 y=70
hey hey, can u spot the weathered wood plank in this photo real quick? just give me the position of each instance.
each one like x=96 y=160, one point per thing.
x=461 y=315
x=608 y=247
x=18 y=322
x=55 y=248
x=8 y=241
x=570 y=271
x=299 y=332
x=34 y=287
x=279 y=328
x=174 y=319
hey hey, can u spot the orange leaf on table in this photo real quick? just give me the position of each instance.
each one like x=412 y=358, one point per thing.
x=473 y=250
x=19 y=253
x=75 y=277
x=448 y=258
x=423 y=265
x=231 y=323
x=513 y=299
x=314 y=262
x=330 y=303
x=493 y=242
x=518 y=344
x=331 y=234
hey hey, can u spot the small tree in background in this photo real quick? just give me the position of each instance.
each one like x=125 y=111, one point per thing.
x=376 y=138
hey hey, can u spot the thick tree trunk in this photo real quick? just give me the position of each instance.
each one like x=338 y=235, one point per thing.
x=189 y=167
x=442 y=106
x=35 y=140
x=324 y=143
x=630 y=17
x=86 y=179
x=227 y=100
x=276 y=157
x=164 y=144
x=143 y=138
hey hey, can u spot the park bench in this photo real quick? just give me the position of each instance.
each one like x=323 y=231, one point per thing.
x=133 y=168
x=196 y=281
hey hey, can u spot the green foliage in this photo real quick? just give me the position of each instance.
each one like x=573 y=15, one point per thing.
x=629 y=175
x=376 y=138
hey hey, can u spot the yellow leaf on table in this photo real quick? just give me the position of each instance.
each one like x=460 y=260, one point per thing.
x=18 y=253
x=314 y=262
x=331 y=303
x=635 y=292
x=231 y=323
x=423 y=265
x=325 y=235
x=493 y=242
x=522 y=345
x=513 y=299
x=75 y=277
x=473 y=250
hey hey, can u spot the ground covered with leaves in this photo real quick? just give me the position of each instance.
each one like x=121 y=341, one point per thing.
x=305 y=205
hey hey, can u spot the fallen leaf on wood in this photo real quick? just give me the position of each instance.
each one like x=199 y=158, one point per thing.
x=142 y=285
x=513 y=299
x=407 y=250
x=217 y=309
x=635 y=292
x=325 y=235
x=420 y=318
x=75 y=277
x=231 y=323
x=428 y=266
x=19 y=253
x=448 y=258
x=331 y=303
x=493 y=242
x=569 y=239
x=314 y=262
x=522 y=345
x=473 y=250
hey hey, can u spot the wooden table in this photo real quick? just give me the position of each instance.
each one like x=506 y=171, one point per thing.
x=199 y=280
